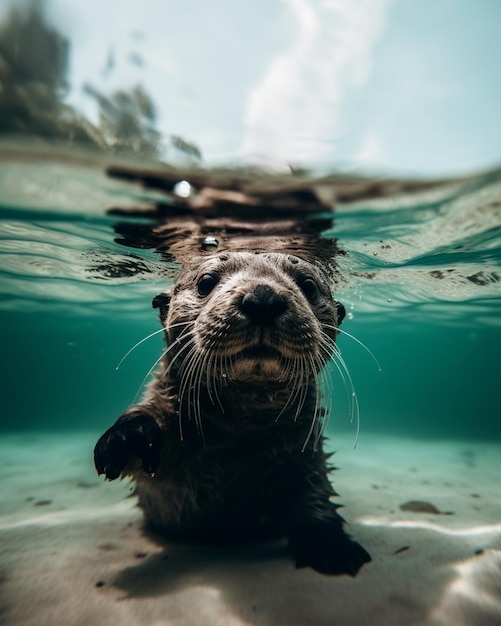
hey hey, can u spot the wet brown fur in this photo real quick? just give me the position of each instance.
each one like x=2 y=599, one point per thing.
x=227 y=445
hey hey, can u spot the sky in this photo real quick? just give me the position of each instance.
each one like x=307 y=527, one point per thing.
x=395 y=86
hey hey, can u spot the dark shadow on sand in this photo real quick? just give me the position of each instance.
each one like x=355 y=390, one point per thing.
x=180 y=565
x=260 y=584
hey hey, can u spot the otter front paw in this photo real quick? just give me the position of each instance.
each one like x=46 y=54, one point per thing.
x=326 y=548
x=133 y=436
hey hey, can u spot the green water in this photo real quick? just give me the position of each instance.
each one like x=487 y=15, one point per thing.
x=420 y=283
x=435 y=380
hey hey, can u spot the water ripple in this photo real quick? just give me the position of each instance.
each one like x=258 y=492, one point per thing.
x=439 y=250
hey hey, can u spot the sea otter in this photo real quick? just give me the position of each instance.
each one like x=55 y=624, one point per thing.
x=227 y=445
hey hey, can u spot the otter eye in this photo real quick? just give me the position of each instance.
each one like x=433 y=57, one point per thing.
x=309 y=288
x=206 y=284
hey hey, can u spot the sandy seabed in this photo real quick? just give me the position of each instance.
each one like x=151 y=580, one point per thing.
x=73 y=552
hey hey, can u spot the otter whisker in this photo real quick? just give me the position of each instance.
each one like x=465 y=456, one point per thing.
x=209 y=375
x=360 y=343
x=327 y=377
x=342 y=367
x=211 y=370
x=298 y=382
x=148 y=373
x=141 y=341
x=342 y=363
x=229 y=366
x=191 y=377
x=172 y=360
x=357 y=408
x=337 y=360
x=215 y=375
x=296 y=378
x=180 y=367
x=185 y=363
x=223 y=367
x=197 y=386
x=331 y=350
x=315 y=410
x=184 y=385
x=285 y=365
x=136 y=345
x=324 y=382
x=212 y=373
x=291 y=367
x=193 y=393
x=186 y=371
x=327 y=374
x=303 y=386
x=197 y=372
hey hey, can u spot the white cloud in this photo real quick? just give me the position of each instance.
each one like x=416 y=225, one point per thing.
x=293 y=114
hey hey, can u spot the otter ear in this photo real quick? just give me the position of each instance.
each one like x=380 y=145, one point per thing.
x=341 y=312
x=161 y=301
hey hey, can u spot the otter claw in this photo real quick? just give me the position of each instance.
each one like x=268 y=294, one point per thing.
x=110 y=473
x=149 y=469
x=133 y=436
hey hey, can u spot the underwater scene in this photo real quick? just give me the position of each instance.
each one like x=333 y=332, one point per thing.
x=101 y=208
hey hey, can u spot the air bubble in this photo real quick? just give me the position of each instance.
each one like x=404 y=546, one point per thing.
x=209 y=243
x=182 y=189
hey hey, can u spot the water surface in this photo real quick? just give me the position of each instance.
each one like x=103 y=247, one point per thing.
x=420 y=282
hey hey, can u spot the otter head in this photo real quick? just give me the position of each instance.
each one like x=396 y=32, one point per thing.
x=250 y=318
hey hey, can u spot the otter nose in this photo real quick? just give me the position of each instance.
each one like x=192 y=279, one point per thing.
x=263 y=305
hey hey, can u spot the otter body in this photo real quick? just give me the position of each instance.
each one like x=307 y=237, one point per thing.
x=226 y=445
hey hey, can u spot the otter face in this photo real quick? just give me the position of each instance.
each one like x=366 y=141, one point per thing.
x=252 y=318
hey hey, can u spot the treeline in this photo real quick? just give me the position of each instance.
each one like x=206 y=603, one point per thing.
x=34 y=59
